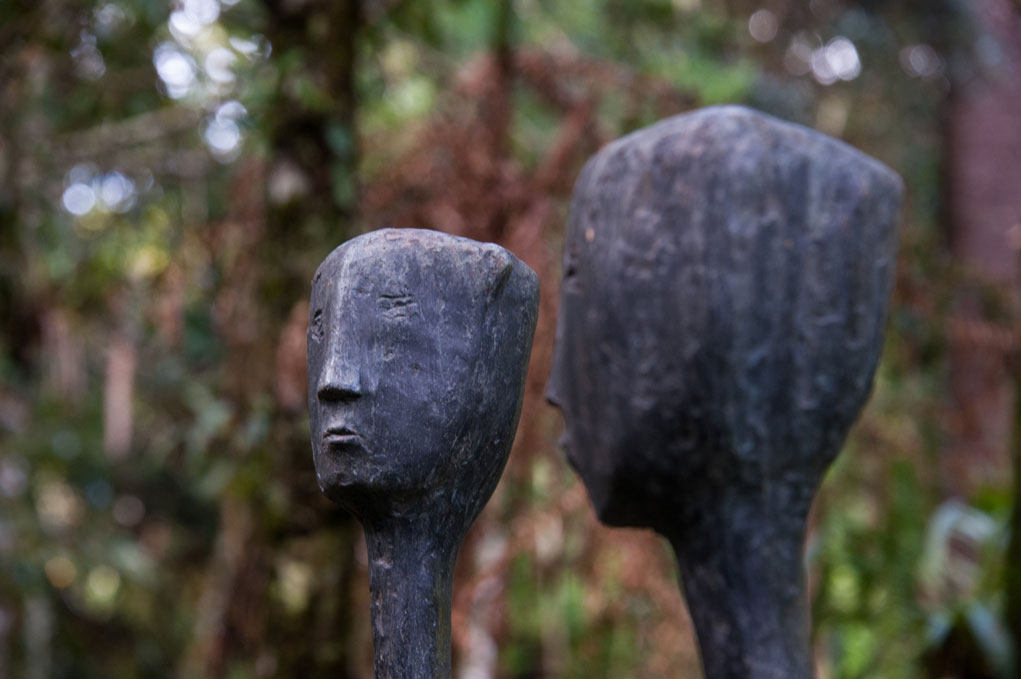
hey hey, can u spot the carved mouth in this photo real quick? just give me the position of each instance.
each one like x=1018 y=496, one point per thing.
x=339 y=435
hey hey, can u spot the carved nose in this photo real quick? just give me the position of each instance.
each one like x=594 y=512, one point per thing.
x=341 y=379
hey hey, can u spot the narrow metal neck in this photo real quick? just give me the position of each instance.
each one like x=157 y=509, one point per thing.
x=411 y=571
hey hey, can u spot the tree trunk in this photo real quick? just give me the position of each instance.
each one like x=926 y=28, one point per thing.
x=984 y=176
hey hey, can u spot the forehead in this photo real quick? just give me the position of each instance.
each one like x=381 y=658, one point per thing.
x=356 y=270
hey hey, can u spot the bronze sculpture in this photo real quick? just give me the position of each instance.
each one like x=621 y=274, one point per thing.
x=725 y=284
x=418 y=345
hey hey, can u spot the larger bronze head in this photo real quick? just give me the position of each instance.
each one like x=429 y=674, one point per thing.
x=725 y=285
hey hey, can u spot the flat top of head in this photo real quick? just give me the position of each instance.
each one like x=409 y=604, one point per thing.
x=420 y=244
x=736 y=130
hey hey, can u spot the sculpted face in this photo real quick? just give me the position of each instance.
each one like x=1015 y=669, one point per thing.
x=619 y=374
x=386 y=366
x=403 y=330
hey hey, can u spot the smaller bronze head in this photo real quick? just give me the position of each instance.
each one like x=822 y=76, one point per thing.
x=418 y=344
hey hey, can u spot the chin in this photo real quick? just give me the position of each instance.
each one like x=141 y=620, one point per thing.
x=334 y=481
x=345 y=483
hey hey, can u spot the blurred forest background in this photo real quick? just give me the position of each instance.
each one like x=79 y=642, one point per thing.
x=172 y=174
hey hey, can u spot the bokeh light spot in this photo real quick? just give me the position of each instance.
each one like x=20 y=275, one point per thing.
x=58 y=506
x=117 y=192
x=798 y=57
x=218 y=65
x=79 y=199
x=128 y=511
x=837 y=60
x=184 y=26
x=920 y=61
x=176 y=69
x=763 y=25
x=102 y=585
x=223 y=137
x=60 y=571
x=202 y=11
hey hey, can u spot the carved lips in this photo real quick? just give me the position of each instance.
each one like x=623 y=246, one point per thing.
x=341 y=436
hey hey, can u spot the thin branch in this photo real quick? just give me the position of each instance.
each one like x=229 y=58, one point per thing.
x=108 y=137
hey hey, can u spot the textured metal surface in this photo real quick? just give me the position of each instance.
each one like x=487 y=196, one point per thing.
x=725 y=286
x=418 y=345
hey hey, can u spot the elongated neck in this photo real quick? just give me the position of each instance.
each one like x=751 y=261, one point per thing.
x=411 y=570
x=743 y=579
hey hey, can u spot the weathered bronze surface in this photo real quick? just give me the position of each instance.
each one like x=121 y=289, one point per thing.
x=418 y=345
x=725 y=285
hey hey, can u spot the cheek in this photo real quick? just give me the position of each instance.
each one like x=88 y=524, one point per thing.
x=313 y=364
x=554 y=386
x=314 y=416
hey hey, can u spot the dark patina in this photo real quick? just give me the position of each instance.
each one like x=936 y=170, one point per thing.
x=418 y=344
x=726 y=280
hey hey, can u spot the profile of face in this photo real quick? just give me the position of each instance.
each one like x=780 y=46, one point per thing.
x=418 y=344
x=725 y=284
